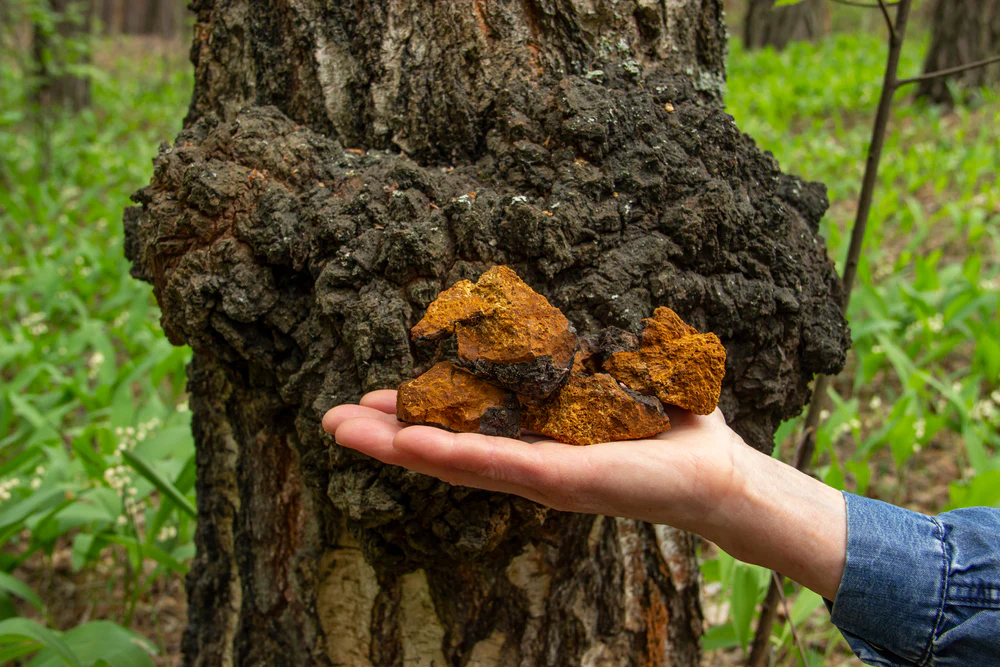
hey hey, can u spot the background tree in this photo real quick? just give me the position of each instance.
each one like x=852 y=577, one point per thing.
x=767 y=25
x=60 y=43
x=341 y=165
x=962 y=32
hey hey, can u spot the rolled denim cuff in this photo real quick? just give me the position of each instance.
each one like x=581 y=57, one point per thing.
x=891 y=597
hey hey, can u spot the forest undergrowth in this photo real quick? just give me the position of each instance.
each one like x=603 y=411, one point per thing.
x=96 y=456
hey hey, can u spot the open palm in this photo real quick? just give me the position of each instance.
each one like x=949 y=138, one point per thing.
x=677 y=478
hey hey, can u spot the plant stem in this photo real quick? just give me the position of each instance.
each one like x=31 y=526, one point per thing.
x=761 y=643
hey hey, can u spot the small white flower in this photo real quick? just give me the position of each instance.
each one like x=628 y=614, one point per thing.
x=183 y=407
x=122 y=520
x=956 y=387
x=877 y=349
x=40 y=470
x=996 y=396
x=875 y=403
x=36 y=482
x=936 y=323
x=94 y=364
x=920 y=428
x=824 y=415
x=916 y=448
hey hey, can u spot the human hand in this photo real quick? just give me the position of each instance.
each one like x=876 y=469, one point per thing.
x=698 y=476
x=681 y=477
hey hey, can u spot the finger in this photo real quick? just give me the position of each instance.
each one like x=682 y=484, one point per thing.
x=374 y=438
x=539 y=469
x=383 y=399
x=333 y=418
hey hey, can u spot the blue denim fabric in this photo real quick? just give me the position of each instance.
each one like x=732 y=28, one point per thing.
x=920 y=590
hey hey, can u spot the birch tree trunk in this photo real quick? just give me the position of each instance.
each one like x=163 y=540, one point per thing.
x=963 y=31
x=341 y=163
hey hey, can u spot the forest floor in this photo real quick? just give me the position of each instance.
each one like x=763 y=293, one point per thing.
x=901 y=417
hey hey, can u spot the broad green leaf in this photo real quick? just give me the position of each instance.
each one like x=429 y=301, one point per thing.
x=983 y=490
x=23 y=628
x=101 y=641
x=719 y=636
x=160 y=482
x=22 y=590
x=744 y=602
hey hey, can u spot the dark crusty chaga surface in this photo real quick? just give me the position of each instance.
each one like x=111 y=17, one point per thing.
x=454 y=399
x=602 y=387
x=300 y=266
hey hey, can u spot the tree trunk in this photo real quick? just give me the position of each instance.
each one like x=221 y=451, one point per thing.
x=54 y=50
x=963 y=32
x=339 y=166
x=767 y=25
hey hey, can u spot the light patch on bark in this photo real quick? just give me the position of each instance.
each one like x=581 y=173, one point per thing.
x=529 y=572
x=489 y=652
x=594 y=537
x=599 y=655
x=419 y=627
x=344 y=602
x=333 y=68
x=385 y=91
x=673 y=547
x=630 y=542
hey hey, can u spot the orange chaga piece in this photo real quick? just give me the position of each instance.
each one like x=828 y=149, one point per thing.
x=452 y=398
x=507 y=333
x=674 y=362
x=459 y=303
x=589 y=409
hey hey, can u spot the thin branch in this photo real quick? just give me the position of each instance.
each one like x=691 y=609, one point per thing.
x=803 y=457
x=888 y=21
x=950 y=70
x=791 y=624
x=866 y=5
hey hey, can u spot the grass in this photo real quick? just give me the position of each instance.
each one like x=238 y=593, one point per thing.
x=913 y=419
x=96 y=458
x=94 y=432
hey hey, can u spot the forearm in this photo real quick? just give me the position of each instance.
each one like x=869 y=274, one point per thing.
x=781 y=518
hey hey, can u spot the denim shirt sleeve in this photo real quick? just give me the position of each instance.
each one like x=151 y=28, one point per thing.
x=920 y=590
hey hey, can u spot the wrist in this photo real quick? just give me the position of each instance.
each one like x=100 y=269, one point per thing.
x=780 y=518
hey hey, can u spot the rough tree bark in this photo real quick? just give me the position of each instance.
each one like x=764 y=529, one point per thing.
x=963 y=31
x=341 y=164
x=767 y=25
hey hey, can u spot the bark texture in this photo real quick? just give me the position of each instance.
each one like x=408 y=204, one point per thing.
x=767 y=25
x=963 y=31
x=340 y=165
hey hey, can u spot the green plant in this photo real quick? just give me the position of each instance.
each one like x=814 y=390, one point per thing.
x=925 y=365
x=96 y=455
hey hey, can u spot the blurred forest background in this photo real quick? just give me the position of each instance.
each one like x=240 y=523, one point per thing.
x=96 y=456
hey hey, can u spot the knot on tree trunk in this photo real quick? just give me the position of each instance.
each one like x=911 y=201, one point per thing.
x=303 y=265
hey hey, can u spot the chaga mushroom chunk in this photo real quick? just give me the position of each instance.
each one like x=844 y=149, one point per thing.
x=589 y=409
x=674 y=362
x=507 y=333
x=452 y=398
